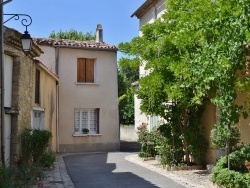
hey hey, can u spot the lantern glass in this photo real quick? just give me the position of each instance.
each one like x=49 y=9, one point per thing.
x=26 y=41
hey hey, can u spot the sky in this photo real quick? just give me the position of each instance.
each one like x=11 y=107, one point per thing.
x=81 y=15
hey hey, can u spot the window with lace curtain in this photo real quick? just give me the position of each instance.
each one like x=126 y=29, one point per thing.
x=87 y=119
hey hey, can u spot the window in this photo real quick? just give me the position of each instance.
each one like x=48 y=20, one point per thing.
x=154 y=121
x=38 y=119
x=37 y=87
x=85 y=70
x=87 y=119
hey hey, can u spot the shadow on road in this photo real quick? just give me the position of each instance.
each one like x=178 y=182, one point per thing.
x=129 y=146
x=93 y=170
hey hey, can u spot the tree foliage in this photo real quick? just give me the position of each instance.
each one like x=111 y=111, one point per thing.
x=195 y=54
x=127 y=74
x=72 y=35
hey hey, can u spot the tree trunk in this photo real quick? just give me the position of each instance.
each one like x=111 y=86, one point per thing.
x=185 y=142
x=183 y=126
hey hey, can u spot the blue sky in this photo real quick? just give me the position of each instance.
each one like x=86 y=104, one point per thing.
x=81 y=15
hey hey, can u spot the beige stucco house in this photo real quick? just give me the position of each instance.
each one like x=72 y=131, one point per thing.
x=30 y=101
x=148 y=12
x=88 y=92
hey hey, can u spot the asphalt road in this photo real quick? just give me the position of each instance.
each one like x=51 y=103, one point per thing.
x=111 y=170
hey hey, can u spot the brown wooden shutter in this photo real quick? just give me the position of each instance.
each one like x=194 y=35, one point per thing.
x=90 y=70
x=37 y=87
x=81 y=70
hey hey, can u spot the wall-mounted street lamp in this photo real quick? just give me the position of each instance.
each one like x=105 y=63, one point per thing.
x=26 y=40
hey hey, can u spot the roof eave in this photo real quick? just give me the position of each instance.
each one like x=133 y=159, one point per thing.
x=87 y=48
x=144 y=8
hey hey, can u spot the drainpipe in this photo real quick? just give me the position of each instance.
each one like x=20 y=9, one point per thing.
x=2 y=3
x=57 y=99
x=2 y=82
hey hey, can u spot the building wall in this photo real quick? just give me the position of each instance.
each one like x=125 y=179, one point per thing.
x=22 y=92
x=244 y=124
x=153 y=13
x=22 y=88
x=102 y=94
x=48 y=102
x=49 y=58
x=208 y=119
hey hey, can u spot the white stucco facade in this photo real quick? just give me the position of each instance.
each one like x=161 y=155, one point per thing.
x=101 y=95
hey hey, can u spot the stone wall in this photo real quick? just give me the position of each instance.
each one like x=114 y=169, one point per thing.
x=22 y=89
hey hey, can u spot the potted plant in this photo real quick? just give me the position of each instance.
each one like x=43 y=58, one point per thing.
x=85 y=131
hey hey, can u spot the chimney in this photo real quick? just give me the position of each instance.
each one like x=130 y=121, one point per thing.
x=99 y=33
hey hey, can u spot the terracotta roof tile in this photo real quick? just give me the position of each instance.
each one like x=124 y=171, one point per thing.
x=74 y=43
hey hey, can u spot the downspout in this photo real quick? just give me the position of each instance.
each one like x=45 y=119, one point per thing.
x=57 y=98
x=2 y=3
x=2 y=82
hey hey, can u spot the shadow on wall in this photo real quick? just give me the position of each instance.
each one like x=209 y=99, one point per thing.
x=93 y=171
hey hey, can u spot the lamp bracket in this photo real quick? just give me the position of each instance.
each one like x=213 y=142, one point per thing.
x=25 y=21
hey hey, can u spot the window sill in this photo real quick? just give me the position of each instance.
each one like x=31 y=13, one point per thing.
x=85 y=83
x=84 y=135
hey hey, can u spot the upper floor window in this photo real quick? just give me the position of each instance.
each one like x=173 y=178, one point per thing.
x=37 y=87
x=85 y=70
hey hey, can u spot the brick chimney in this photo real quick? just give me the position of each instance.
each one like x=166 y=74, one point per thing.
x=99 y=33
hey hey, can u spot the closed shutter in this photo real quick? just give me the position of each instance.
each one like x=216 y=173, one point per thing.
x=81 y=70
x=90 y=70
x=77 y=121
x=37 y=87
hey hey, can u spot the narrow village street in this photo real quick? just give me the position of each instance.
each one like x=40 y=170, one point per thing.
x=111 y=170
x=119 y=169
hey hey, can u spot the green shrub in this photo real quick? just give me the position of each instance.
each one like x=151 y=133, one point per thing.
x=148 y=140
x=35 y=144
x=220 y=134
x=237 y=177
x=48 y=159
x=20 y=176
x=7 y=178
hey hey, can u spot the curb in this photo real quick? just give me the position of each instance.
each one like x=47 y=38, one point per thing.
x=175 y=177
x=58 y=176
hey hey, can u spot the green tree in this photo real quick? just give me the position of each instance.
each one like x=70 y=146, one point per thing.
x=72 y=35
x=127 y=74
x=194 y=53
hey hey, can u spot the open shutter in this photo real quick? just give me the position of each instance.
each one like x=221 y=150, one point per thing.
x=90 y=70
x=81 y=69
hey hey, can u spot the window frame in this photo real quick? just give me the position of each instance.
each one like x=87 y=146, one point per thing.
x=79 y=120
x=40 y=120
